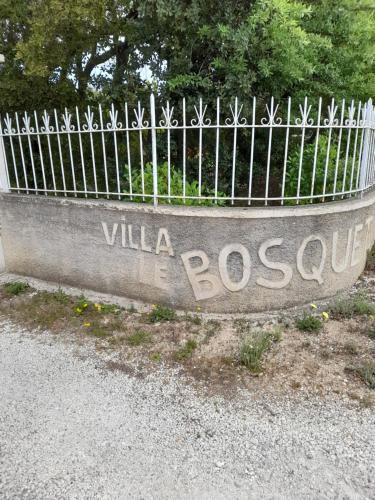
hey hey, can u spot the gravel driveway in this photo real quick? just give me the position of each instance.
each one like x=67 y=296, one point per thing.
x=70 y=428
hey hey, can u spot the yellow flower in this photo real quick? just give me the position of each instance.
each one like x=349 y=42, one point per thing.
x=85 y=305
x=325 y=315
x=86 y=324
x=78 y=310
x=153 y=306
x=199 y=308
x=98 y=307
x=313 y=306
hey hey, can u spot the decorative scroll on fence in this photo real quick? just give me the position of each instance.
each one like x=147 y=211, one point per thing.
x=217 y=153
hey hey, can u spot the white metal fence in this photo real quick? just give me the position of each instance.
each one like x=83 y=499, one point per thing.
x=193 y=153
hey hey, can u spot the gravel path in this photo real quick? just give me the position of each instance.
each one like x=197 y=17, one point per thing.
x=70 y=428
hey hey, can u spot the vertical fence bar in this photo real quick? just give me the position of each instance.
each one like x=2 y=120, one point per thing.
x=184 y=149
x=4 y=172
x=201 y=114
x=235 y=123
x=271 y=122
x=304 y=113
x=168 y=126
x=81 y=152
x=40 y=153
x=128 y=150
x=317 y=138
x=114 y=123
x=332 y=112
x=217 y=146
x=104 y=150
x=154 y=151
x=26 y=121
x=140 y=125
x=350 y=124
x=251 y=168
x=286 y=151
x=355 y=145
x=337 y=164
x=90 y=125
x=9 y=129
x=60 y=152
x=22 y=155
x=68 y=129
x=365 y=151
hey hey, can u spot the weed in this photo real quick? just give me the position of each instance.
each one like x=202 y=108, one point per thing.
x=366 y=371
x=107 y=308
x=196 y=320
x=81 y=305
x=155 y=356
x=309 y=324
x=60 y=297
x=186 y=351
x=138 y=338
x=351 y=348
x=255 y=344
x=15 y=287
x=356 y=306
x=161 y=313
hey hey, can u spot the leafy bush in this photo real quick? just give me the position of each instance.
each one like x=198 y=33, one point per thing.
x=356 y=306
x=176 y=186
x=309 y=324
x=161 y=313
x=186 y=351
x=15 y=288
x=291 y=182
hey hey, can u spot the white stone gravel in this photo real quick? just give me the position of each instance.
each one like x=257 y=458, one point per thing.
x=72 y=429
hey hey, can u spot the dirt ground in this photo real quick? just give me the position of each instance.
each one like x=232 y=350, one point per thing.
x=207 y=351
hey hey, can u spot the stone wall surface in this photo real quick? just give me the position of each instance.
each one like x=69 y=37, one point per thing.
x=220 y=259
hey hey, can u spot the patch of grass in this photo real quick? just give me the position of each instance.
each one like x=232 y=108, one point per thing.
x=81 y=305
x=309 y=323
x=15 y=287
x=355 y=306
x=155 y=357
x=370 y=332
x=255 y=344
x=138 y=338
x=161 y=313
x=60 y=297
x=98 y=331
x=186 y=351
x=196 y=320
x=366 y=371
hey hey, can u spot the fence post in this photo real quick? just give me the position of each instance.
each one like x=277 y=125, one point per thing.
x=4 y=177
x=366 y=143
x=154 y=150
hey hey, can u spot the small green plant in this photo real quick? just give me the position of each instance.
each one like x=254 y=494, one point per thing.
x=98 y=331
x=138 y=338
x=255 y=344
x=366 y=371
x=309 y=323
x=370 y=332
x=155 y=357
x=176 y=186
x=107 y=308
x=81 y=305
x=60 y=297
x=186 y=351
x=355 y=306
x=15 y=287
x=161 y=313
x=351 y=348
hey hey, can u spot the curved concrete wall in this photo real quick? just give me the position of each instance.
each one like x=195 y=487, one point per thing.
x=221 y=259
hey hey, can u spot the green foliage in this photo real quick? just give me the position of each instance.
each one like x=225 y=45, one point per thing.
x=255 y=344
x=325 y=169
x=309 y=323
x=15 y=287
x=161 y=313
x=138 y=338
x=354 y=306
x=366 y=371
x=186 y=351
x=176 y=186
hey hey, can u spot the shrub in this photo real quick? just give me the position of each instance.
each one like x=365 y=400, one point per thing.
x=15 y=288
x=309 y=324
x=186 y=351
x=366 y=371
x=291 y=183
x=138 y=338
x=356 y=306
x=176 y=185
x=161 y=313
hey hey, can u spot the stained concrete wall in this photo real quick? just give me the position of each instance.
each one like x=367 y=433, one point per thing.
x=221 y=259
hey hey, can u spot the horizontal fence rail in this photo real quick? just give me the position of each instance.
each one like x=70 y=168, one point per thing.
x=193 y=153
